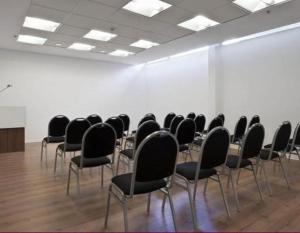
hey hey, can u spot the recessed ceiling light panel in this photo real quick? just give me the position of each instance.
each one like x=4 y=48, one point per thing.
x=99 y=35
x=31 y=39
x=121 y=53
x=145 y=44
x=256 y=5
x=40 y=24
x=147 y=8
x=81 y=47
x=198 y=23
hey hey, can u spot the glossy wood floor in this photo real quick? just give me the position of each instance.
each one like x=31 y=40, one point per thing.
x=32 y=199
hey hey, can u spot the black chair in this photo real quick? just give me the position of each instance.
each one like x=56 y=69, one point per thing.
x=255 y=119
x=143 y=131
x=150 y=117
x=250 y=149
x=200 y=124
x=294 y=143
x=117 y=124
x=185 y=134
x=212 y=155
x=98 y=142
x=94 y=119
x=222 y=116
x=239 y=130
x=56 y=133
x=168 y=119
x=154 y=168
x=175 y=122
x=73 y=139
x=279 y=145
x=191 y=115
x=126 y=123
x=216 y=122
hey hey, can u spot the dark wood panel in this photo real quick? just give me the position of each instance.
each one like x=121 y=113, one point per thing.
x=15 y=140
x=3 y=140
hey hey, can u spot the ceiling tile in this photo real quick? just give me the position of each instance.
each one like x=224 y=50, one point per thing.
x=63 y=38
x=94 y=9
x=54 y=43
x=123 y=40
x=34 y=32
x=114 y=3
x=63 y=5
x=47 y=13
x=72 y=31
x=82 y=22
x=174 y=15
x=227 y=12
x=202 y=6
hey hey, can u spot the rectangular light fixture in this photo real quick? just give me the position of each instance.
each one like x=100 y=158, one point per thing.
x=31 y=39
x=265 y=33
x=81 y=47
x=99 y=35
x=145 y=44
x=121 y=53
x=40 y=24
x=198 y=23
x=256 y=5
x=147 y=8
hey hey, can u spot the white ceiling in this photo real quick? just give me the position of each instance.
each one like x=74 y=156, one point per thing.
x=77 y=17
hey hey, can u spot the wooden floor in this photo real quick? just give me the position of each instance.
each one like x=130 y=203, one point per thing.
x=33 y=199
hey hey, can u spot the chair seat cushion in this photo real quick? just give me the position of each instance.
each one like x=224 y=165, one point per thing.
x=69 y=147
x=90 y=162
x=198 y=142
x=54 y=139
x=183 y=148
x=264 y=154
x=128 y=153
x=233 y=160
x=124 y=182
x=188 y=170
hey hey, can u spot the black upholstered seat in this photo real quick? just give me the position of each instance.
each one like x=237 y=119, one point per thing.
x=92 y=162
x=124 y=183
x=69 y=147
x=51 y=139
x=128 y=153
x=264 y=154
x=233 y=160
x=188 y=170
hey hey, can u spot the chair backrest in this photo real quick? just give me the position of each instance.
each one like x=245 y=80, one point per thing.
x=216 y=122
x=75 y=130
x=117 y=124
x=185 y=132
x=240 y=128
x=146 y=118
x=253 y=142
x=98 y=141
x=255 y=119
x=94 y=119
x=214 y=149
x=175 y=122
x=144 y=130
x=191 y=115
x=151 y=115
x=57 y=126
x=200 y=123
x=155 y=159
x=168 y=119
x=296 y=137
x=222 y=116
x=281 y=137
x=126 y=121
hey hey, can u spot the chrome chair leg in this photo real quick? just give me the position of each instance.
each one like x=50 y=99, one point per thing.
x=223 y=196
x=205 y=186
x=172 y=210
x=102 y=174
x=266 y=177
x=148 y=202
x=42 y=150
x=235 y=193
x=238 y=176
x=78 y=185
x=125 y=208
x=55 y=160
x=258 y=187
x=69 y=179
x=163 y=202
x=284 y=172
x=108 y=206
x=192 y=205
x=118 y=164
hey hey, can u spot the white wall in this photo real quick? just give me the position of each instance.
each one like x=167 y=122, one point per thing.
x=50 y=85
x=260 y=76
